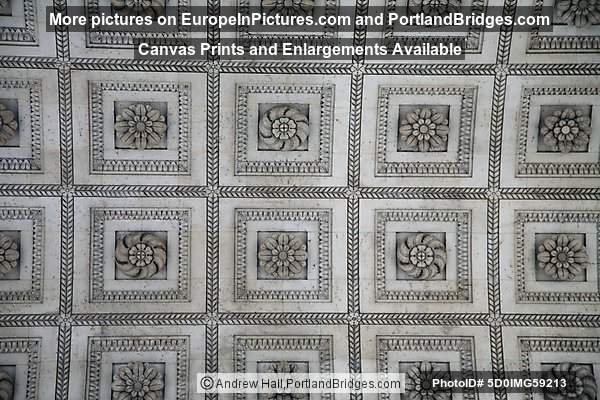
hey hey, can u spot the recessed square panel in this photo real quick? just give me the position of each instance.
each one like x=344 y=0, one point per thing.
x=425 y=131
x=286 y=264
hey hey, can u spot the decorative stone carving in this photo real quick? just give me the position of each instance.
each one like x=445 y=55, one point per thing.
x=151 y=379
x=9 y=254
x=141 y=255
x=6 y=386
x=562 y=257
x=421 y=255
x=288 y=7
x=152 y=8
x=425 y=129
x=581 y=383
x=274 y=128
x=308 y=263
x=402 y=257
x=285 y=367
x=434 y=7
x=284 y=128
x=141 y=126
x=580 y=13
x=8 y=124
x=567 y=130
x=399 y=127
x=419 y=384
x=137 y=381
x=577 y=159
x=115 y=114
x=283 y=255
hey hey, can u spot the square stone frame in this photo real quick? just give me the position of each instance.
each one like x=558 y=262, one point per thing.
x=97 y=345
x=321 y=343
x=529 y=345
x=464 y=283
x=31 y=349
x=463 y=165
x=100 y=165
x=321 y=166
x=37 y=217
x=473 y=38
x=463 y=345
x=322 y=216
x=97 y=292
x=550 y=169
x=33 y=163
x=523 y=217
x=125 y=39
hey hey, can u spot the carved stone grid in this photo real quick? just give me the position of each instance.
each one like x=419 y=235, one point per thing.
x=463 y=164
x=30 y=346
x=321 y=166
x=34 y=294
x=525 y=168
x=540 y=43
x=22 y=35
x=97 y=345
x=524 y=217
x=323 y=217
x=100 y=294
x=463 y=345
x=101 y=165
x=528 y=345
x=496 y=191
x=33 y=163
x=462 y=220
x=322 y=344
x=115 y=39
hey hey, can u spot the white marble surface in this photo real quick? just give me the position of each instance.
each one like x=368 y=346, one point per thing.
x=183 y=217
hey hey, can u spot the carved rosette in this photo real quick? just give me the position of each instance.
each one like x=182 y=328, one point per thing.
x=141 y=255
x=421 y=256
x=8 y=124
x=6 y=386
x=419 y=385
x=562 y=257
x=283 y=255
x=137 y=381
x=581 y=383
x=566 y=130
x=9 y=255
x=424 y=129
